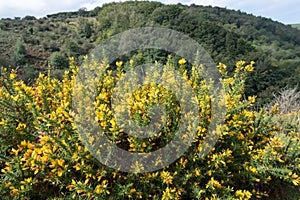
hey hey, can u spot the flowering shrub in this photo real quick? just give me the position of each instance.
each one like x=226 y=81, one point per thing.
x=43 y=157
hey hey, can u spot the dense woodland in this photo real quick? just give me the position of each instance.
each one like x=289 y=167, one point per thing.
x=30 y=45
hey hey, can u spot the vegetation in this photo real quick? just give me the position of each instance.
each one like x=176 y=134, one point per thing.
x=59 y=61
x=227 y=35
x=296 y=26
x=19 y=54
x=43 y=156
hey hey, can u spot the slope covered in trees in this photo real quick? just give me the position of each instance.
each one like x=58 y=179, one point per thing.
x=227 y=35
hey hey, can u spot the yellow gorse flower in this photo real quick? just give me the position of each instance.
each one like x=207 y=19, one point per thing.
x=12 y=75
x=21 y=126
x=119 y=63
x=182 y=61
x=166 y=177
x=243 y=194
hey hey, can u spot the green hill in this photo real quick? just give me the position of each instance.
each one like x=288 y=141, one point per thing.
x=227 y=35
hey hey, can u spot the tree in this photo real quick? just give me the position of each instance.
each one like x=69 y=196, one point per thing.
x=84 y=28
x=59 y=60
x=82 y=11
x=29 y=18
x=72 y=49
x=19 y=55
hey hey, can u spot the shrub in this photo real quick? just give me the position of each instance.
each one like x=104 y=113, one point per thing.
x=29 y=74
x=59 y=60
x=288 y=100
x=29 y=18
x=281 y=155
x=43 y=157
x=19 y=55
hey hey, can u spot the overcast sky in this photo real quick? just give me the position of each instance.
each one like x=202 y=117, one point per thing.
x=286 y=11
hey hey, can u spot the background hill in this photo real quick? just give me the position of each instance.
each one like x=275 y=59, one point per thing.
x=31 y=44
x=296 y=26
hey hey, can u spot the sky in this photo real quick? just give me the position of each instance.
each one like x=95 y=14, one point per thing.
x=285 y=11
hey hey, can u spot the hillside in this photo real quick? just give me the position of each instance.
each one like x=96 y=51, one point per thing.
x=31 y=44
x=296 y=26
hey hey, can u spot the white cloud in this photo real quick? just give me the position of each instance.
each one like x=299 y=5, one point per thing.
x=287 y=11
x=94 y=3
x=36 y=7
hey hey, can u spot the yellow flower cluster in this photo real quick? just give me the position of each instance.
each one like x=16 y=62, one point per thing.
x=171 y=193
x=167 y=177
x=243 y=194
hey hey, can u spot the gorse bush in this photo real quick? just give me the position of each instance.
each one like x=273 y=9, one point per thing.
x=43 y=156
x=287 y=104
